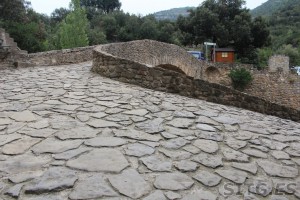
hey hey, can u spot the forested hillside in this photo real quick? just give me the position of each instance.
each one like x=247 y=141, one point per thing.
x=285 y=24
x=268 y=8
x=283 y=18
x=172 y=14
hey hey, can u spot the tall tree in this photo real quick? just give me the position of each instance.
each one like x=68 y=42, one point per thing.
x=260 y=32
x=73 y=30
x=13 y=10
x=148 y=29
x=227 y=23
x=58 y=15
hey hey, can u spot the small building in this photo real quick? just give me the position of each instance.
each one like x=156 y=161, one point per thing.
x=225 y=55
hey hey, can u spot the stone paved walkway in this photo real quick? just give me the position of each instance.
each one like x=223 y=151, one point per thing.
x=66 y=133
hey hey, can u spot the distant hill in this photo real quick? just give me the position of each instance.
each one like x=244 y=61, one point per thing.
x=172 y=14
x=283 y=17
x=268 y=8
x=285 y=24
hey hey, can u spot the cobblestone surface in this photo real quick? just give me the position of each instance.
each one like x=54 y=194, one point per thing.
x=66 y=133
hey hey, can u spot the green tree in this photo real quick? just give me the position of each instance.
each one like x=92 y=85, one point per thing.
x=264 y=55
x=29 y=36
x=58 y=15
x=260 y=33
x=148 y=29
x=13 y=10
x=110 y=26
x=130 y=28
x=106 y=6
x=240 y=78
x=73 y=30
x=186 y=31
x=166 y=30
x=97 y=36
x=27 y=27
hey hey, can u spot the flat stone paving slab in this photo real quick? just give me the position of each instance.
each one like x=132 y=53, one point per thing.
x=69 y=134
x=92 y=187
x=100 y=160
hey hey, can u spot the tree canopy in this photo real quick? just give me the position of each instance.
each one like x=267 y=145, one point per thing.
x=106 y=6
x=284 y=26
x=25 y=25
x=227 y=23
x=13 y=10
x=72 y=31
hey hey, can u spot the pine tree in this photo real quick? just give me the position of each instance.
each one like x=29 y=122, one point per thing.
x=73 y=30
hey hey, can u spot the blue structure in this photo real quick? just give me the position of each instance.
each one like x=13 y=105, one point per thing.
x=197 y=54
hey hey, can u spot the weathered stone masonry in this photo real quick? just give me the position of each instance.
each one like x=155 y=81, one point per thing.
x=152 y=53
x=279 y=63
x=161 y=79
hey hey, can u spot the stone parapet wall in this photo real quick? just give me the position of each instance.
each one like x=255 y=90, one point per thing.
x=56 y=57
x=65 y=56
x=166 y=80
x=153 y=53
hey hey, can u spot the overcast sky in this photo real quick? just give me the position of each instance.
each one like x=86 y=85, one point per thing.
x=142 y=7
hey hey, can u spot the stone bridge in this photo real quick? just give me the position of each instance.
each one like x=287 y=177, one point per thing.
x=153 y=54
x=69 y=134
x=171 y=69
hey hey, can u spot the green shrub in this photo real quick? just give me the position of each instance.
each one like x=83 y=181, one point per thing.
x=240 y=78
x=263 y=57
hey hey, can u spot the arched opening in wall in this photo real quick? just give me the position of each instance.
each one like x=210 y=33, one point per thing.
x=212 y=74
x=171 y=67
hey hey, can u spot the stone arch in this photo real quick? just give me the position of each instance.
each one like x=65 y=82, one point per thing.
x=212 y=74
x=170 y=67
x=150 y=54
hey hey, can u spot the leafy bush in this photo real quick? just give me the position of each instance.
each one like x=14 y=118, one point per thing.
x=240 y=78
x=263 y=57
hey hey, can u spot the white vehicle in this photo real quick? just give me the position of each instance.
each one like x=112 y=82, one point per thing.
x=297 y=69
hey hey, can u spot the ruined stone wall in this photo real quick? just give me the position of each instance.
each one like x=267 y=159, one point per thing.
x=276 y=87
x=10 y=43
x=9 y=49
x=218 y=72
x=279 y=63
x=174 y=82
